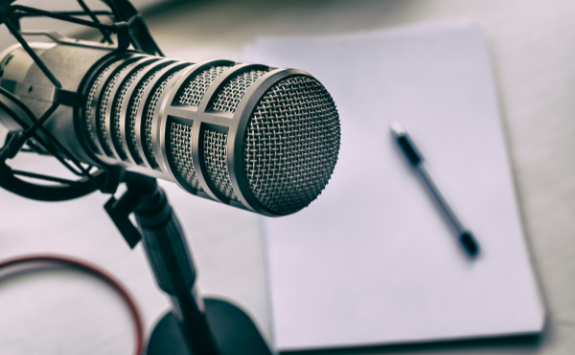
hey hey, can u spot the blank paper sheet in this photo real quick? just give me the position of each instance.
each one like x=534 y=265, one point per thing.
x=372 y=261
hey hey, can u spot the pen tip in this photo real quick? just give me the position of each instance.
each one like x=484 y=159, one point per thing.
x=469 y=244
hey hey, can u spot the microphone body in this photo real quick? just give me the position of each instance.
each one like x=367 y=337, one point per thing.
x=259 y=138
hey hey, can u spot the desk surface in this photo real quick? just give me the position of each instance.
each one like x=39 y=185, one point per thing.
x=533 y=51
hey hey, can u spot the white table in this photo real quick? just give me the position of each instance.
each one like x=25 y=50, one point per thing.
x=533 y=50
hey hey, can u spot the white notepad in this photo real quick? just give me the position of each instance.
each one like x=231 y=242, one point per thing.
x=372 y=261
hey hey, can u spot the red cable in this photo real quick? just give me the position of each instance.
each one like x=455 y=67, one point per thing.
x=100 y=274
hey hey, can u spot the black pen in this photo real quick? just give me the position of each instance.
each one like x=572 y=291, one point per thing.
x=416 y=160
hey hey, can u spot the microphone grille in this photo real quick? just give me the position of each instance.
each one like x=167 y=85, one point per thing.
x=229 y=97
x=180 y=135
x=215 y=158
x=181 y=153
x=284 y=142
x=149 y=115
x=106 y=100
x=91 y=98
x=122 y=100
x=291 y=145
x=195 y=89
x=214 y=143
x=135 y=102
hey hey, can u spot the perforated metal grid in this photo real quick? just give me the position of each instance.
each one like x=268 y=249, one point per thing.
x=149 y=118
x=133 y=111
x=197 y=86
x=291 y=145
x=215 y=159
x=230 y=95
x=117 y=109
x=180 y=149
x=104 y=102
x=90 y=100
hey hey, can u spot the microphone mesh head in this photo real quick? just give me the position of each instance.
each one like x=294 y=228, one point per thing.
x=195 y=89
x=215 y=158
x=229 y=97
x=133 y=111
x=106 y=100
x=180 y=135
x=149 y=117
x=290 y=142
x=121 y=100
x=291 y=145
x=90 y=100
x=181 y=153
x=214 y=143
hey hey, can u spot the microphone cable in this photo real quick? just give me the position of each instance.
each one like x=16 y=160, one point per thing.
x=28 y=261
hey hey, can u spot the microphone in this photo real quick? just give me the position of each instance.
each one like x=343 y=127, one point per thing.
x=248 y=135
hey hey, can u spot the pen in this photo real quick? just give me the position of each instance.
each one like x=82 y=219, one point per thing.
x=415 y=158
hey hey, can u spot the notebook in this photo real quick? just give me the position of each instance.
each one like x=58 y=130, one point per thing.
x=372 y=261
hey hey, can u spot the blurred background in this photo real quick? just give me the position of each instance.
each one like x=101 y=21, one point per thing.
x=532 y=47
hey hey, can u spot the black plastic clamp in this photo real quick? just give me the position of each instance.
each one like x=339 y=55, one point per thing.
x=120 y=210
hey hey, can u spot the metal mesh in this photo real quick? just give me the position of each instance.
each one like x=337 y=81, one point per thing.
x=196 y=87
x=133 y=111
x=104 y=101
x=117 y=109
x=230 y=95
x=149 y=117
x=215 y=159
x=291 y=145
x=90 y=100
x=180 y=149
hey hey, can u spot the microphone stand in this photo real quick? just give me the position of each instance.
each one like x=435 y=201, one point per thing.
x=167 y=251
x=213 y=327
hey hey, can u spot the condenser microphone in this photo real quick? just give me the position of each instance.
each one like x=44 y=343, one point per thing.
x=248 y=135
